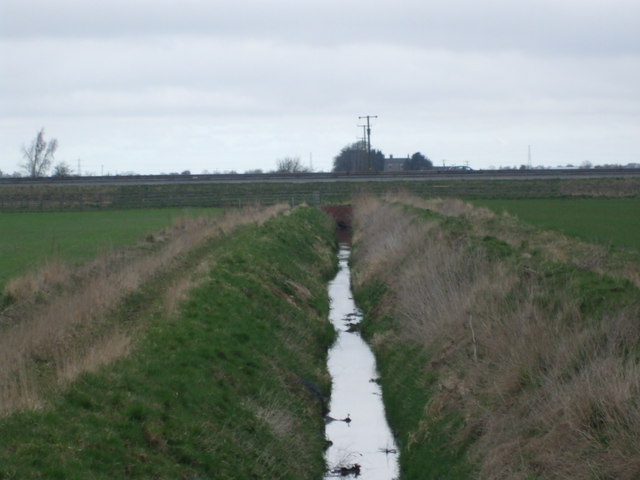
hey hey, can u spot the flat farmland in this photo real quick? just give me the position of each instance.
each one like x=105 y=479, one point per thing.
x=29 y=240
x=609 y=221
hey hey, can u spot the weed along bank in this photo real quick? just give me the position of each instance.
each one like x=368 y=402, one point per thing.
x=360 y=442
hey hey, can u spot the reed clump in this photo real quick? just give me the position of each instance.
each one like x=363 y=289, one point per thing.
x=536 y=358
x=59 y=324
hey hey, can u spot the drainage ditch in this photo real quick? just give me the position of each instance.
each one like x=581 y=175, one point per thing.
x=359 y=438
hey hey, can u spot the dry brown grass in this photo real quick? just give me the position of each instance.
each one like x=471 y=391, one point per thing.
x=58 y=326
x=564 y=398
x=546 y=391
x=52 y=273
x=389 y=236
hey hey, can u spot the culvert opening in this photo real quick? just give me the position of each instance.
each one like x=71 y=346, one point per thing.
x=341 y=214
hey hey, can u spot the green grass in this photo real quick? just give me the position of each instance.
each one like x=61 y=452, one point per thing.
x=426 y=450
x=27 y=240
x=213 y=392
x=609 y=221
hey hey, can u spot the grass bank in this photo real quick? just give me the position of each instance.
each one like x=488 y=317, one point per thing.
x=211 y=390
x=62 y=320
x=498 y=360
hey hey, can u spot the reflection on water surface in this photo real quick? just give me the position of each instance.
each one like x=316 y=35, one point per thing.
x=362 y=444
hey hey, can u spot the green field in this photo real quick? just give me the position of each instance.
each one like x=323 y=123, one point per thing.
x=609 y=221
x=27 y=240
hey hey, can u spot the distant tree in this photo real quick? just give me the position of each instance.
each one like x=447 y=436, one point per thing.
x=586 y=164
x=377 y=161
x=39 y=155
x=185 y=172
x=354 y=158
x=290 y=165
x=417 y=162
x=351 y=158
x=62 y=169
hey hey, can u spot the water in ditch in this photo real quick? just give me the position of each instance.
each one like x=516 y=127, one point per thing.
x=361 y=442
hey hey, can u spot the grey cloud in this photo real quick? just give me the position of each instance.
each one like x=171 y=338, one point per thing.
x=261 y=79
x=561 y=26
x=182 y=74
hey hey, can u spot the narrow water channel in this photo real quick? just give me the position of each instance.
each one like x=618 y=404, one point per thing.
x=362 y=443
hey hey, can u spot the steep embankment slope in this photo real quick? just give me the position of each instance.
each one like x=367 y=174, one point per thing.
x=211 y=391
x=499 y=359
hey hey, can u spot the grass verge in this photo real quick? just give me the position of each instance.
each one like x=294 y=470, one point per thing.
x=213 y=391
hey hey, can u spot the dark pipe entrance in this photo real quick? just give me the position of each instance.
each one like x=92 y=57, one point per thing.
x=342 y=216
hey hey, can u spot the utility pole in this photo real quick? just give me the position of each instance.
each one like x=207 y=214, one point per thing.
x=364 y=155
x=364 y=136
x=368 y=117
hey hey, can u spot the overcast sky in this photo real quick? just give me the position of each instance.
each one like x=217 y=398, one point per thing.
x=153 y=86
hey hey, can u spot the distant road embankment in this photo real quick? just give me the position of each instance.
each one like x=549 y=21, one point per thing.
x=532 y=174
x=237 y=190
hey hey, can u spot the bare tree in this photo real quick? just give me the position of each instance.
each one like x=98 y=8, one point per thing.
x=38 y=155
x=290 y=165
x=62 y=169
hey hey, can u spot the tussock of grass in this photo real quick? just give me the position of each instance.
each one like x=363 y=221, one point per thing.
x=527 y=367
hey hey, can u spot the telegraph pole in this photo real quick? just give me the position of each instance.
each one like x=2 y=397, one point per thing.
x=364 y=156
x=364 y=135
x=368 y=117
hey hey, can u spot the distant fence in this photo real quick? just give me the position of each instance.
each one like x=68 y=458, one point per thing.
x=49 y=197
